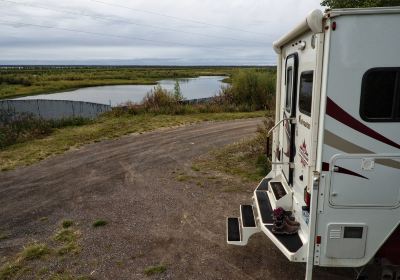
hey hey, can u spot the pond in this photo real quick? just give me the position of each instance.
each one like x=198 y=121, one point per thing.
x=191 y=88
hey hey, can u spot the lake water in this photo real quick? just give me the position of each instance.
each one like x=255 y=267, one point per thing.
x=192 y=88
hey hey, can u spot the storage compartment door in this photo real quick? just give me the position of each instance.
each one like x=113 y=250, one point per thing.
x=364 y=181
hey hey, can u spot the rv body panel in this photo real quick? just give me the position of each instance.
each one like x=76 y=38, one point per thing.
x=360 y=159
x=338 y=164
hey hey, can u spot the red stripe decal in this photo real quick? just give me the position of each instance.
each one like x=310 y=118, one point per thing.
x=325 y=167
x=334 y=111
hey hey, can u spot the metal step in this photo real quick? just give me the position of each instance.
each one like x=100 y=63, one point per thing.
x=278 y=189
x=264 y=207
x=233 y=230
x=263 y=186
x=290 y=245
x=247 y=216
x=291 y=242
x=240 y=230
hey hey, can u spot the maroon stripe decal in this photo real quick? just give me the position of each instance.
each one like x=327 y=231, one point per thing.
x=325 y=167
x=334 y=111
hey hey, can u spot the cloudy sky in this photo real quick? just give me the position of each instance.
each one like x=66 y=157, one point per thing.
x=161 y=32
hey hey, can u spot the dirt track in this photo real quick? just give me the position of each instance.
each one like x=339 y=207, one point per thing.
x=152 y=217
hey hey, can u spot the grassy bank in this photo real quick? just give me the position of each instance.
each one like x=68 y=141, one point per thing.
x=36 y=80
x=245 y=160
x=107 y=127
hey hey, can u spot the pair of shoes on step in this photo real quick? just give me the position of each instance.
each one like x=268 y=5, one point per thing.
x=284 y=222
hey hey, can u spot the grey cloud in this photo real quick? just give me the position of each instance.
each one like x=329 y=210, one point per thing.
x=265 y=20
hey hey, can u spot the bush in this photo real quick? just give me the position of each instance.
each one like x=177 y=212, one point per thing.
x=19 y=127
x=99 y=223
x=15 y=81
x=160 y=100
x=250 y=88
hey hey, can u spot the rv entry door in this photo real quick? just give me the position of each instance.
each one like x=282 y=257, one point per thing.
x=289 y=112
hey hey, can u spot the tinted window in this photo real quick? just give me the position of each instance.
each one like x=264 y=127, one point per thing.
x=289 y=79
x=380 y=95
x=305 y=95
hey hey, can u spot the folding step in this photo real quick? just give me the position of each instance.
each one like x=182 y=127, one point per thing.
x=233 y=231
x=247 y=215
x=263 y=185
x=240 y=230
x=291 y=242
x=278 y=190
x=264 y=206
x=291 y=246
x=249 y=225
x=280 y=194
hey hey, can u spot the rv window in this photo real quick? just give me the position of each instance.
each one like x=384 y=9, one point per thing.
x=380 y=95
x=289 y=79
x=305 y=95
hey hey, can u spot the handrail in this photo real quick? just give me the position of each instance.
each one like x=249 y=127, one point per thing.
x=277 y=124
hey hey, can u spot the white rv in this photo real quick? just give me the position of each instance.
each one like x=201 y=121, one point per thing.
x=336 y=143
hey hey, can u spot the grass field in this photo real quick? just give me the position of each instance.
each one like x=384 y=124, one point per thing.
x=36 y=80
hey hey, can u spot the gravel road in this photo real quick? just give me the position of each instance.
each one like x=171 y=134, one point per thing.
x=153 y=218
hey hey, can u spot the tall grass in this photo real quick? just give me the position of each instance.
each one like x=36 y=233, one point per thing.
x=20 y=127
x=252 y=88
x=160 y=100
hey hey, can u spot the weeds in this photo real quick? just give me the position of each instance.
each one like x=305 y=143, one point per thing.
x=3 y=235
x=71 y=247
x=21 y=127
x=195 y=168
x=99 y=223
x=250 y=88
x=9 y=270
x=67 y=223
x=161 y=101
x=152 y=270
x=69 y=240
x=35 y=251
x=65 y=235
x=183 y=178
x=245 y=159
x=19 y=265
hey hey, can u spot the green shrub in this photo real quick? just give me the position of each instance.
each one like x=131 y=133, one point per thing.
x=16 y=128
x=15 y=81
x=152 y=270
x=99 y=223
x=20 y=127
x=252 y=88
x=67 y=223
x=160 y=100
x=35 y=251
x=9 y=270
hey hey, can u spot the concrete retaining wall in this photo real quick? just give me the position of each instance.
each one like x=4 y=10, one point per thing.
x=54 y=109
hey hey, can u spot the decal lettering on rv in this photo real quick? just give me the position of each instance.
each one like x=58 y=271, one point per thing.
x=304 y=123
x=303 y=153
